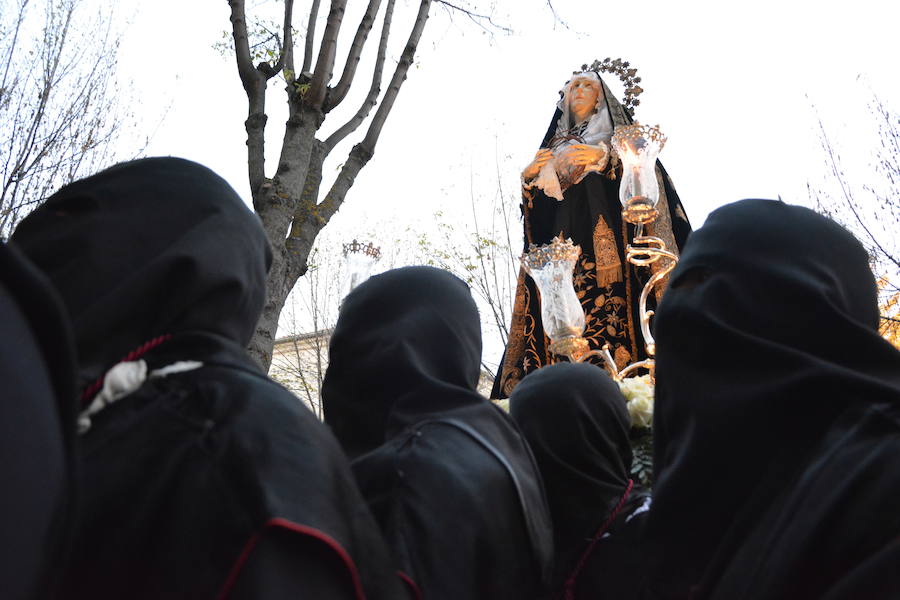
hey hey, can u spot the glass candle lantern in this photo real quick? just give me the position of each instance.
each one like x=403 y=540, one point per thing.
x=638 y=146
x=360 y=258
x=551 y=266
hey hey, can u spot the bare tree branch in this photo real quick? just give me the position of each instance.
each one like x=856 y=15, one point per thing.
x=242 y=45
x=59 y=104
x=327 y=52
x=254 y=83
x=287 y=48
x=556 y=17
x=310 y=37
x=476 y=18
x=374 y=88
x=848 y=198
x=406 y=59
x=339 y=92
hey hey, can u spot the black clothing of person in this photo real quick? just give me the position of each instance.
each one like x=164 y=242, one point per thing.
x=213 y=481
x=575 y=420
x=776 y=418
x=37 y=430
x=447 y=474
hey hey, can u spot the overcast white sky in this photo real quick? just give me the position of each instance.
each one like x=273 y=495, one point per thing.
x=733 y=85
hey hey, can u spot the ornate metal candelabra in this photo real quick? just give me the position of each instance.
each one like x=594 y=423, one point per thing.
x=360 y=258
x=551 y=266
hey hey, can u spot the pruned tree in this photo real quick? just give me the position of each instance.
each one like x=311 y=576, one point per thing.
x=59 y=111
x=868 y=202
x=289 y=202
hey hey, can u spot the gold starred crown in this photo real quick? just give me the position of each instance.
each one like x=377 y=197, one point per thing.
x=557 y=250
x=626 y=74
x=638 y=136
x=368 y=249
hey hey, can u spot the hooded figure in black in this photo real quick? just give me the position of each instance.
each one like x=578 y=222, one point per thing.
x=575 y=419
x=201 y=478
x=37 y=430
x=777 y=416
x=447 y=474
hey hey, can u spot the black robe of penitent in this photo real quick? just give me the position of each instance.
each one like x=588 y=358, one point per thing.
x=576 y=422
x=37 y=430
x=447 y=474
x=209 y=481
x=777 y=416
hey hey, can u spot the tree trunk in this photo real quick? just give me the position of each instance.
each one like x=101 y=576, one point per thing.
x=288 y=203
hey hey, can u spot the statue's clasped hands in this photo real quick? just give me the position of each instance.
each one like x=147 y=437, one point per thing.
x=583 y=155
x=541 y=158
x=576 y=155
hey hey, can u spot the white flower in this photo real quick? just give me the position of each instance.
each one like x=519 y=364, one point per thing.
x=638 y=392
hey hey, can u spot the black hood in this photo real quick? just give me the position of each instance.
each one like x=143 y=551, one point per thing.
x=148 y=248
x=575 y=420
x=407 y=345
x=767 y=334
x=405 y=353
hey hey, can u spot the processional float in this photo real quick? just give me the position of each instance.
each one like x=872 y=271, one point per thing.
x=552 y=265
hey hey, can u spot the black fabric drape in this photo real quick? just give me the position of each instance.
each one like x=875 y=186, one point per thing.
x=575 y=419
x=37 y=430
x=775 y=425
x=185 y=477
x=447 y=474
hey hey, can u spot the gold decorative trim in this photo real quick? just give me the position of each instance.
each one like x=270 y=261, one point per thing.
x=662 y=228
x=628 y=303
x=515 y=344
x=606 y=255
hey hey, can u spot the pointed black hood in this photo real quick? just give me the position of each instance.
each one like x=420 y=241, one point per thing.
x=189 y=256
x=767 y=334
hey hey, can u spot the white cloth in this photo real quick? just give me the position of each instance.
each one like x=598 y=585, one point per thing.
x=123 y=379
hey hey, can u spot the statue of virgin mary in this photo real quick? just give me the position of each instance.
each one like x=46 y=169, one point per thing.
x=571 y=188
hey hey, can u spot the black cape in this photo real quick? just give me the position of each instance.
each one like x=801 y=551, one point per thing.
x=447 y=474
x=575 y=420
x=214 y=482
x=776 y=420
x=37 y=430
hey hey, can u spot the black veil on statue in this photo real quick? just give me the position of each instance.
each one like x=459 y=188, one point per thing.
x=590 y=213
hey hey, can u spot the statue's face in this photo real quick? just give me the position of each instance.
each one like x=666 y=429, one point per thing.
x=583 y=95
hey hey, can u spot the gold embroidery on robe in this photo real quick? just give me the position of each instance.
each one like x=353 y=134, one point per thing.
x=516 y=342
x=622 y=357
x=662 y=228
x=609 y=265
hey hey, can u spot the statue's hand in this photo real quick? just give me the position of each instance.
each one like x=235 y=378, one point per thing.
x=541 y=158
x=582 y=155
